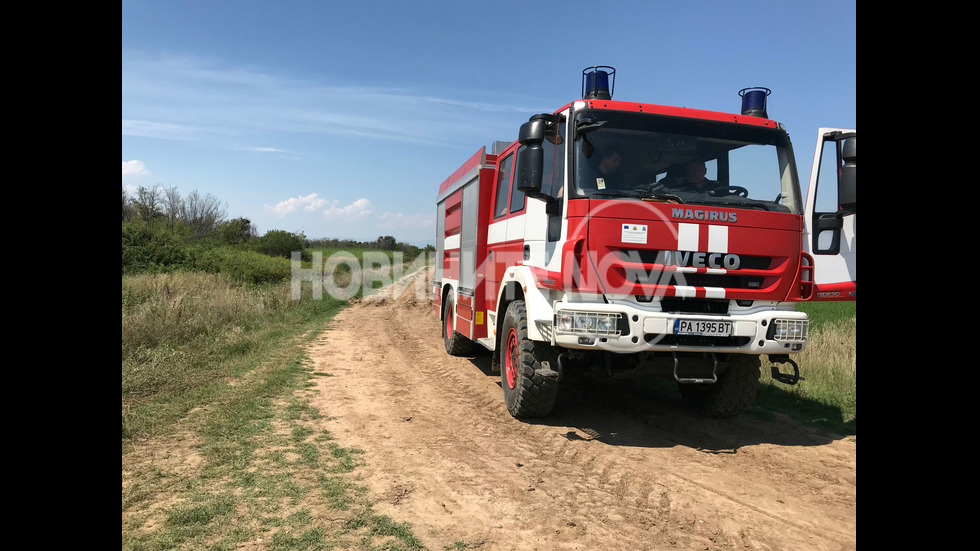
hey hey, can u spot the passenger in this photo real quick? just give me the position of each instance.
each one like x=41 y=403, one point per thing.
x=603 y=175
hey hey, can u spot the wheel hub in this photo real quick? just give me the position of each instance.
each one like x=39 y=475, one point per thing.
x=449 y=320
x=510 y=360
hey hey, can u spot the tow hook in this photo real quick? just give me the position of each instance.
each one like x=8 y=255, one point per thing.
x=785 y=378
x=548 y=373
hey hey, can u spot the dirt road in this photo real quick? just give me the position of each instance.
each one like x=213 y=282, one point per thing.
x=613 y=468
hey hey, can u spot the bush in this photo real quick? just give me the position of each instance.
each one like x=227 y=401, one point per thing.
x=279 y=243
x=242 y=265
x=151 y=247
x=234 y=232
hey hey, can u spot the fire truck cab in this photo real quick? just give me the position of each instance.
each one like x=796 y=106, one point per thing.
x=634 y=240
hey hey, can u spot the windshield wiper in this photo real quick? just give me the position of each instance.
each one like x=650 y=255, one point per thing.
x=663 y=197
x=744 y=203
x=652 y=197
x=618 y=193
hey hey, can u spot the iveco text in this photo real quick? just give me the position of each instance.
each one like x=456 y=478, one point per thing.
x=699 y=260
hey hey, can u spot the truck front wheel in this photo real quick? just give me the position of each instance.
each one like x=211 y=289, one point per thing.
x=732 y=394
x=530 y=385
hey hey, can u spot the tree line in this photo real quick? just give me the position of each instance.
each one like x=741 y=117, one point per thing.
x=161 y=230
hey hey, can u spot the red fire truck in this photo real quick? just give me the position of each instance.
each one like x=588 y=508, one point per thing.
x=633 y=240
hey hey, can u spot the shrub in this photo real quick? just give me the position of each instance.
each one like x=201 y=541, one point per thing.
x=279 y=243
x=151 y=247
x=242 y=265
x=234 y=232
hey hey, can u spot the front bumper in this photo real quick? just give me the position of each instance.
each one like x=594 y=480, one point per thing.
x=762 y=330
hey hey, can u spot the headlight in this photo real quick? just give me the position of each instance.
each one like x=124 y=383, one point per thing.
x=590 y=323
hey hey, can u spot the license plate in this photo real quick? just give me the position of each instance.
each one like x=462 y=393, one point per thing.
x=709 y=328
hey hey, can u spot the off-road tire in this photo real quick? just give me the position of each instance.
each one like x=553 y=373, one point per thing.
x=527 y=392
x=456 y=343
x=732 y=394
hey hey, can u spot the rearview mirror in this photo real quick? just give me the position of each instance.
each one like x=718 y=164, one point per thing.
x=530 y=158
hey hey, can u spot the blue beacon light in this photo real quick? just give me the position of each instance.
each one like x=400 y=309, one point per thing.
x=754 y=101
x=598 y=82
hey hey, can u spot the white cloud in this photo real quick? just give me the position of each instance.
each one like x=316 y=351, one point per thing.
x=134 y=168
x=308 y=203
x=355 y=220
x=331 y=210
x=357 y=209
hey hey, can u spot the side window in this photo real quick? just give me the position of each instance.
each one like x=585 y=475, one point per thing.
x=516 y=196
x=503 y=178
x=826 y=238
x=554 y=160
x=554 y=173
x=827 y=178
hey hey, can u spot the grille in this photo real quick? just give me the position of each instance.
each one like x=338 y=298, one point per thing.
x=680 y=305
x=654 y=256
x=695 y=340
x=651 y=274
x=727 y=281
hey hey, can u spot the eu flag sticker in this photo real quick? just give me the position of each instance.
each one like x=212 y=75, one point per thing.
x=634 y=233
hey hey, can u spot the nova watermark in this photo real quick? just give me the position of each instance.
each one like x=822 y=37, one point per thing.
x=654 y=264
x=375 y=274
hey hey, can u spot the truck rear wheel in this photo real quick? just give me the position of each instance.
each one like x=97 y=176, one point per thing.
x=530 y=385
x=456 y=343
x=732 y=394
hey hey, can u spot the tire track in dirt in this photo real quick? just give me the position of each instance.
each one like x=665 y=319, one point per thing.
x=613 y=468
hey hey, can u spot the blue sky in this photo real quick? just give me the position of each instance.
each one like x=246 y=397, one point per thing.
x=341 y=119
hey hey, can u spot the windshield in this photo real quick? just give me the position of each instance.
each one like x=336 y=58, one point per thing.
x=638 y=156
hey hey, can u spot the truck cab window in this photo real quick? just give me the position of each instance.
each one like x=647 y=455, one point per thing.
x=554 y=160
x=503 y=178
x=711 y=163
x=516 y=195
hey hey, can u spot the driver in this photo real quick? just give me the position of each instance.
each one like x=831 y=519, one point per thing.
x=692 y=178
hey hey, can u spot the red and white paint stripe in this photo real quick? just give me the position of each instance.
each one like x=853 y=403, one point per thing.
x=698 y=237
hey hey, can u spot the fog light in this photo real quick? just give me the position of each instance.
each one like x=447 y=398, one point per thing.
x=585 y=323
x=607 y=323
x=564 y=321
x=590 y=323
x=789 y=330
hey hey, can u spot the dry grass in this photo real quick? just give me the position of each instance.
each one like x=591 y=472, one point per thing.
x=829 y=366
